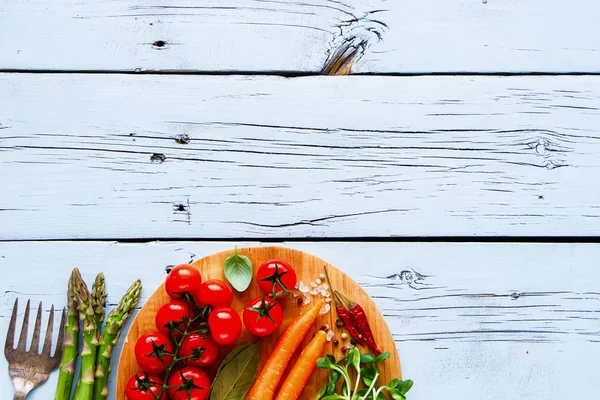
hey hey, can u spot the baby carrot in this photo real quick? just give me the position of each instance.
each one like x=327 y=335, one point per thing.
x=304 y=367
x=268 y=379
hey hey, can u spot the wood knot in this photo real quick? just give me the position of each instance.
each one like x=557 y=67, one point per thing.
x=408 y=277
x=550 y=151
x=356 y=35
x=157 y=158
x=542 y=146
x=179 y=208
x=159 y=44
x=185 y=209
x=182 y=139
x=344 y=57
x=552 y=164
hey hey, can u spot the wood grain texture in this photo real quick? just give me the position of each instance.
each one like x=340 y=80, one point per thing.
x=308 y=268
x=300 y=36
x=206 y=35
x=214 y=157
x=497 y=321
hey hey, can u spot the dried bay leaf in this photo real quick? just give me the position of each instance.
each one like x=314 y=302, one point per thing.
x=236 y=374
x=231 y=356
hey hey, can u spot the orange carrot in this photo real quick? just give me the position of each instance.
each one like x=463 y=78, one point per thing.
x=304 y=367
x=268 y=379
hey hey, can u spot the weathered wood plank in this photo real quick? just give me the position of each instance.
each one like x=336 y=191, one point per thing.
x=493 y=321
x=279 y=35
x=135 y=156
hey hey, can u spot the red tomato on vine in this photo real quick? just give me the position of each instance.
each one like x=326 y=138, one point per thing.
x=188 y=383
x=262 y=316
x=225 y=325
x=174 y=313
x=214 y=293
x=144 y=386
x=276 y=277
x=152 y=351
x=199 y=350
x=182 y=279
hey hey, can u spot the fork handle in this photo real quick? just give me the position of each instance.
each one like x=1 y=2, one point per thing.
x=20 y=396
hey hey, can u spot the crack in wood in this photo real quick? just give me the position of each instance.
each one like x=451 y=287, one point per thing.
x=355 y=36
x=314 y=222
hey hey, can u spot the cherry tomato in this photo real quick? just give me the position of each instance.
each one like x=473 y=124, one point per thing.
x=144 y=386
x=188 y=383
x=214 y=293
x=175 y=313
x=262 y=316
x=147 y=349
x=225 y=325
x=204 y=350
x=276 y=276
x=183 y=278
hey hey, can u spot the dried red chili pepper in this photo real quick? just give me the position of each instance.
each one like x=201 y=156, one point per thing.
x=359 y=317
x=344 y=314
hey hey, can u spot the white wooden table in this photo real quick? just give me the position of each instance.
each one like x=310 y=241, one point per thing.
x=454 y=173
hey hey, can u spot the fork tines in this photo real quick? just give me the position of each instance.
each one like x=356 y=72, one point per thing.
x=13 y=353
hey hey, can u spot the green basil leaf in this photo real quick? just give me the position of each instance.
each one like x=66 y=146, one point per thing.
x=238 y=271
x=237 y=376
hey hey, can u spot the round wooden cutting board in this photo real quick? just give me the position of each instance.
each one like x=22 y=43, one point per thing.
x=308 y=269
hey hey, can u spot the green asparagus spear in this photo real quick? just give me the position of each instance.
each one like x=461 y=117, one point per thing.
x=67 y=365
x=85 y=384
x=110 y=337
x=99 y=300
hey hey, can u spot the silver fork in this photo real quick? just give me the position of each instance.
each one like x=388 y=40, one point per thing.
x=29 y=369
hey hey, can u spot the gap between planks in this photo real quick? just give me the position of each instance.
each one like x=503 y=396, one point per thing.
x=292 y=74
x=308 y=239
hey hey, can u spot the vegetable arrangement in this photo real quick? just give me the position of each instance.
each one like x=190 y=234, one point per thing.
x=196 y=321
x=198 y=324
x=86 y=312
